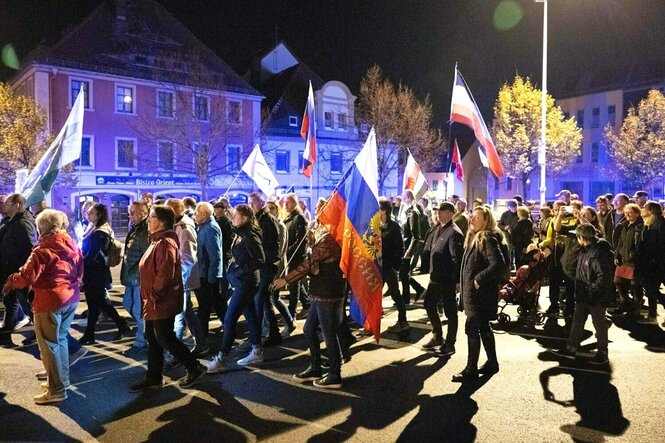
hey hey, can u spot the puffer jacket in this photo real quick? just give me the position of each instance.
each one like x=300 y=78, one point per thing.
x=17 y=237
x=54 y=270
x=594 y=276
x=160 y=277
x=296 y=228
x=95 y=249
x=209 y=250
x=629 y=242
x=136 y=244
x=247 y=255
x=185 y=229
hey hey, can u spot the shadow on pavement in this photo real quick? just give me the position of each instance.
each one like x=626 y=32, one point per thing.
x=595 y=399
x=652 y=335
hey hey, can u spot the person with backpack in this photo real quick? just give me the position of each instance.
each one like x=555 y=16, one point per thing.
x=483 y=267
x=97 y=274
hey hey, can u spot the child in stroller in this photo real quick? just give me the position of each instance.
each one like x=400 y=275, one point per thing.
x=523 y=289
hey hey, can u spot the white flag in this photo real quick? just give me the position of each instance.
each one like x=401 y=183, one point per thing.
x=483 y=158
x=257 y=168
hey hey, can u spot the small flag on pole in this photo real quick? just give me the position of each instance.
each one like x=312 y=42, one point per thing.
x=457 y=162
x=65 y=149
x=414 y=178
x=308 y=133
x=463 y=109
x=257 y=168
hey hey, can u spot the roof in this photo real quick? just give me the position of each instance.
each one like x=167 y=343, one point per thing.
x=139 y=39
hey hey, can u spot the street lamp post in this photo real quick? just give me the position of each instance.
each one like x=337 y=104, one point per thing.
x=542 y=148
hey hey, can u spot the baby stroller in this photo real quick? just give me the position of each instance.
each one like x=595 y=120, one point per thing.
x=523 y=290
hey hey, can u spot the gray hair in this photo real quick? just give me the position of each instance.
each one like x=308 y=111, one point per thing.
x=51 y=221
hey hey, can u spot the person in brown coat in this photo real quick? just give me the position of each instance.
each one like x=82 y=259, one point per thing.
x=161 y=285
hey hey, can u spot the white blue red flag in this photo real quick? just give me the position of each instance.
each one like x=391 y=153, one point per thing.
x=463 y=109
x=352 y=217
x=308 y=133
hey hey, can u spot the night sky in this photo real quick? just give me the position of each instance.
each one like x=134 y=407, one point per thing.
x=415 y=42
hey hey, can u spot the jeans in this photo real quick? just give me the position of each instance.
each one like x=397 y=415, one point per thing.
x=131 y=301
x=390 y=278
x=51 y=331
x=408 y=281
x=16 y=307
x=582 y=311
x=444 y=293
x=95 y=296
x=262 y=299
x=188 y=317
x=161 y=338
x=281 y=307
x=241 y=302
x=297 y=292
x=209 y=299
x=326 y=315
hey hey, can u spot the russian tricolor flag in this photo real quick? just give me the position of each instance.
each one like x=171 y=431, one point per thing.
x=352 y=218
x=308 y=133
x=464 y=110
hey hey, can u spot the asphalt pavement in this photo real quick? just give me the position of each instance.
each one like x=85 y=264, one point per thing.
x=393 y=391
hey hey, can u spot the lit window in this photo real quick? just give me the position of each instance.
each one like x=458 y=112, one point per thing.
x=124 y=99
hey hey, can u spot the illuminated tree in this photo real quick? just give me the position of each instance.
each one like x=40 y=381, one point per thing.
x=516 y=131
x=639 y=148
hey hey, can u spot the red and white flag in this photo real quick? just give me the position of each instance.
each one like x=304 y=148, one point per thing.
x=456 y=160
x=308 y=133
x=414 y=178
x=463 y=110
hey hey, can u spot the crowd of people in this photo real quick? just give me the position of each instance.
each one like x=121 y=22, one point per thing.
x=236 y=260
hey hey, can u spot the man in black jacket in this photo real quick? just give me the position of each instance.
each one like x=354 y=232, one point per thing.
x=392 y=248
x=18 y=234
x=445 y=260
x=296 y=228
x=268 y=271
x=410 y=223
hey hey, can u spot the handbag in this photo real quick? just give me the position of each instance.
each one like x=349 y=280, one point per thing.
x=624 y=271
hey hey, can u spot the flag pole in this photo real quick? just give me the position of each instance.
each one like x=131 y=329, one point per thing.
x=233 y=181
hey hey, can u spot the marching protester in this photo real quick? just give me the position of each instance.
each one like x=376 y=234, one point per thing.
x=410 y=224
x=222 y=212
x=393 y=249
x=54 y=270
x=445 y=258
x=506 y=224
x=296 y=227
x=327 y=287
x=247 y=259
x=522 y=234
x=18 y=234
x=136 y=244
x=650 y=260
x=482 y=264
x=461 y=218
x=628 y=284
x=97 y=274
x=162 y=297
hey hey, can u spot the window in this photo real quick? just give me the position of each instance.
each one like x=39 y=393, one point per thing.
x=566 y=115
x=233 y=158
x=509 y=183
x=580 y=156
x=595 y=117
x=120 y=214
x=165 y=153
x=612 y=115
x=301 y=160
x=165 y=102
x=336 y=162
x=328 y=120
x=124 y=99
x=282 y=161
x=574 y=187
x=86 y=153
x=125 y=153
x=201 y=110
x=75 y=87
x=435 y=185
x=595 y=148
x=364 y=128
x=496 y=184
x=234 y=112
x=600 y=188
x=293 y=121
x=580 y=118
x=341 y=121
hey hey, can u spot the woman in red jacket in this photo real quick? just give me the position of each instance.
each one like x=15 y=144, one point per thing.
x=162 y=294
x=54 y=270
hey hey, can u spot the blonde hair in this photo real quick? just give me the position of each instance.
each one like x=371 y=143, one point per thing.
x=51 y=221
x=474 y=238
x=177 y=205
x=523 y=212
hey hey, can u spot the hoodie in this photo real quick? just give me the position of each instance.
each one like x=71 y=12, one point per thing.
x=54 y=270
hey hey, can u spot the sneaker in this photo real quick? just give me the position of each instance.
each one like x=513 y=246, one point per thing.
x=447 y=349
x=218 y=364
x=311 y=373
x=329 y=382
x=489 y=368
x=45 y=398
x=41 y=375
x=191 y=377
x=565 y=353
x=302 y=315
x=145 y=384
x=400 y=326
x=288 y=330
x=87 y=339
x=244 y=346
x=254 y=357
x=599 y=359
x=170 y=364
x=272 y=340
x=23 y=322
x=434 y=342
x=135 y=351
x=77 y=356
x=200 y=351
x=44 y=386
